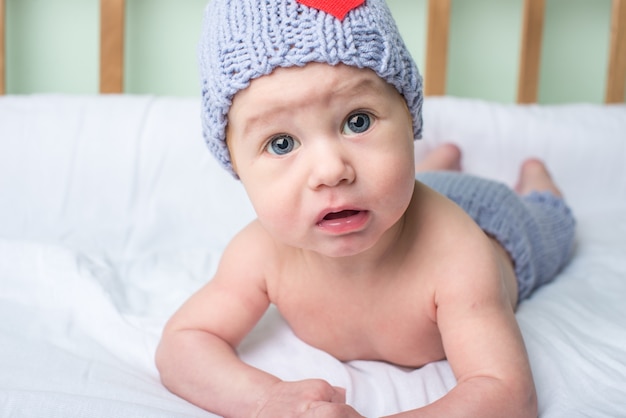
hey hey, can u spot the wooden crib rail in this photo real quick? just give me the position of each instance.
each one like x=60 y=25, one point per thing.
x=111 y=46
x=112 y=16
x=616 y=81
x=438 y=28
x=530 y=50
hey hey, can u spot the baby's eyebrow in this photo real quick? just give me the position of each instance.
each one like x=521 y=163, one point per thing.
x=262 y=119
x=362 y=86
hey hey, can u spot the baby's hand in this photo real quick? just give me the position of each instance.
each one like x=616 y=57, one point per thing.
x=307 y=398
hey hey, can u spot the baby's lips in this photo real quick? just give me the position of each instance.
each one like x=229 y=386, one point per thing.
x=341 y=214
x=335 y=213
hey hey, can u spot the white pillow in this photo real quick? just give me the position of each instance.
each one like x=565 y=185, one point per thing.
x=584 y=145
x=123 y=173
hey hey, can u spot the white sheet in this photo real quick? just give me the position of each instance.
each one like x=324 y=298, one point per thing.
x=112 y=213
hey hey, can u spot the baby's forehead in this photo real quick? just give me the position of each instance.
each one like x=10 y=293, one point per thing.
x=293 y=86
x=276 y=97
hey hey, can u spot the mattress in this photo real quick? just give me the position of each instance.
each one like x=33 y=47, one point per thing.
x=112 y=213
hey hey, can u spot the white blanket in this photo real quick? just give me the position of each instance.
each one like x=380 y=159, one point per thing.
x=112 y=213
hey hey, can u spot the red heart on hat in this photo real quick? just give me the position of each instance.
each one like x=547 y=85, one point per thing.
x=337 y=8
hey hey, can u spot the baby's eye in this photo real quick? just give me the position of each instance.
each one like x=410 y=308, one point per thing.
x=357 y=124
x=282 y=144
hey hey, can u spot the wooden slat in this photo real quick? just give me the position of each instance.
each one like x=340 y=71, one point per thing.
x=530 y=51
x=112 y=46
x=3 y=51
x=616 y=80
x=437 y=47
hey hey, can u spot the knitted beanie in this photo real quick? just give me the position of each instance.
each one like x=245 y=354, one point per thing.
x=245 y=39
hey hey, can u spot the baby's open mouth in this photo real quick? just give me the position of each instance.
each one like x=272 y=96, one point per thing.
x=344 y=221
x=341 y=214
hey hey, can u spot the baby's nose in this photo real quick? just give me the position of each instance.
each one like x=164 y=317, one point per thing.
x=330 y=166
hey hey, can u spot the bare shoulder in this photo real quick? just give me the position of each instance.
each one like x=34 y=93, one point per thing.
x=245 y=266
x=247 y=256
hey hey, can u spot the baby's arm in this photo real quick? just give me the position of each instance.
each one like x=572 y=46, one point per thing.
x=483 y=343
x=196 y=356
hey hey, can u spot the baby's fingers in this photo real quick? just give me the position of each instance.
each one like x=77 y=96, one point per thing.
x=300 y=398
x=331 y=410
x=339 y=395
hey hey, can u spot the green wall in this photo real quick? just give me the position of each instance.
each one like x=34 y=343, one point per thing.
x=52 y=46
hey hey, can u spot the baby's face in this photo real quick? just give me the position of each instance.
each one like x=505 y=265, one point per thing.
x=325 y=154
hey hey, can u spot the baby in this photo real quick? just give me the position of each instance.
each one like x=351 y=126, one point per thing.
x=315 y=105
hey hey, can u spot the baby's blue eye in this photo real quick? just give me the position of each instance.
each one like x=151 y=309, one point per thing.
x=282 y=144
x=357 y=124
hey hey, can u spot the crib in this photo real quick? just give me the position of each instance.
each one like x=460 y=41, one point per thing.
x=112 y=213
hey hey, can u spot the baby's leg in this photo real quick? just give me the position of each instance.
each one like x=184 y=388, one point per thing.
x=444 y=157
x=551 y=226
x=534 y=177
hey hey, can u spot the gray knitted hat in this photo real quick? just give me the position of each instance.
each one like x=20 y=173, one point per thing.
x=245 y=39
